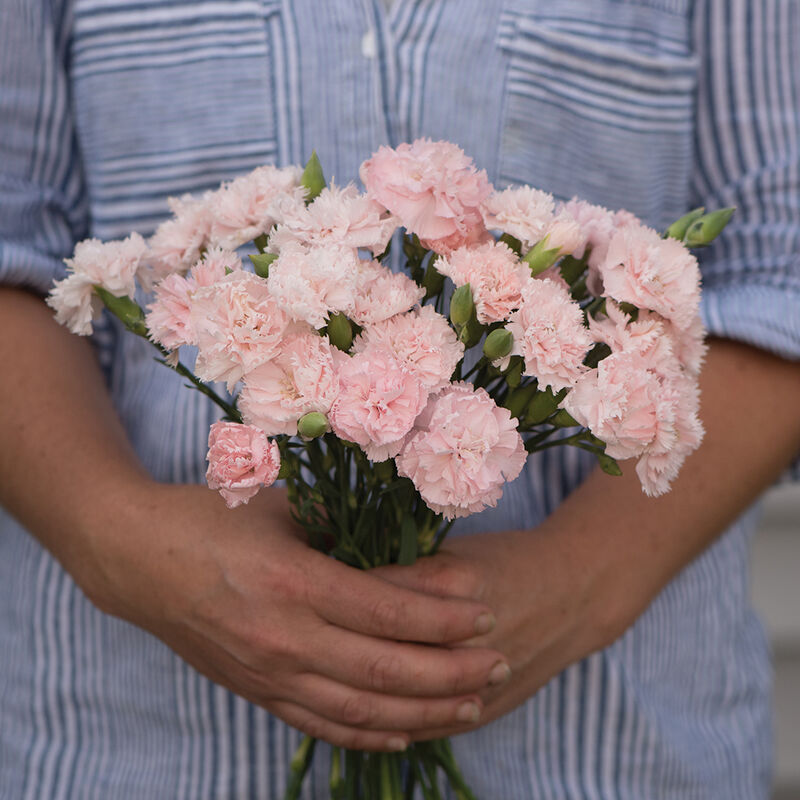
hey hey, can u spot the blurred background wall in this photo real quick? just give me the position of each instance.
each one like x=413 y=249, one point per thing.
x=776 y=593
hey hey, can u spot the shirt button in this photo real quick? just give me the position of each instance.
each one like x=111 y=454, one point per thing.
x=369 y=46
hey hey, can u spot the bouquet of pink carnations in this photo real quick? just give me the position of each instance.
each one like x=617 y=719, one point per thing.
x=393 y=402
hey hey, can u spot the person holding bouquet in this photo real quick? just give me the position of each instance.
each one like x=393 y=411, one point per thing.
x=586 y=640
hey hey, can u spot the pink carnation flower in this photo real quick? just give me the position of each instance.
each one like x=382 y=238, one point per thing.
x=169 y=315
x=462 y=450
x=435 y=190
x=658 y=467
x=310 y=283
x=111 y=265
x=377 y=404
x=177 y=242
x=342 y=217
x=251 y=204
x=523 y=212
x=240 y=461
x=299 y=379
x=381 y=293
x=652 y=273
x=549 y=334
x=495 y=275
x=421 y=340
x=238 y=325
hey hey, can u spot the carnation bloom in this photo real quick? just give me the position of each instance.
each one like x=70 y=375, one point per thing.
x=377 y=404
x=299 y=379
x=111 y=265
x=435 y=190
x=464 y=447
x=381 y=293
x=177 y=242
x=653 y=273
x=238 y=326
x=251 y=204
x=549 y=334
x=523 y=212
x=495 y=275
x=421 y=340
x=338 y=216
x=169 y=315
x=240 y=461
x=311 y=282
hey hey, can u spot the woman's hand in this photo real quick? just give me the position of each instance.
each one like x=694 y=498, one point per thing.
x=330 y=649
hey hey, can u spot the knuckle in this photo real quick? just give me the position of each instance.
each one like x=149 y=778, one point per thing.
x=383 y=673
x=357 y=709
x=313 y=726
x=385 y=616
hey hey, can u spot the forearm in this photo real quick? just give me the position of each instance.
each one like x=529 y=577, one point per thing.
x=629 y=545
x=65 y=466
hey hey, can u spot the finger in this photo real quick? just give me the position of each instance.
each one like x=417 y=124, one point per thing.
x=402 y=668
x=363 y=709
x=312 y=724
x=369 y=605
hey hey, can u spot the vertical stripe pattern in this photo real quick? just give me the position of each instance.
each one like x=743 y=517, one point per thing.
x=107 y=107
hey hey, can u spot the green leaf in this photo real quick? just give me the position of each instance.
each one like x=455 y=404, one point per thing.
x=541 y=407
x=433 y=281
x=512 y=242
x=563 y=419
x=518 y=399
x=262 y=262
x=312 y=178
x=571 y=269
x=514 y=372
x=608 y=465
x=408 y=542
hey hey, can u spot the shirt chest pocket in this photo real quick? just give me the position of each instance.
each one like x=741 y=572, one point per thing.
x=170 y=98
x=598 y=104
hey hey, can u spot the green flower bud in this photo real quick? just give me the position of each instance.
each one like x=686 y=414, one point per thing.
x=461 y=306
x=312 y=178
x=540 y=257
x=498 y=344
x=340 y=332
x=262 y=263
x=128 y=311
x=708 y=227
x=678 y=228
x=312 y=425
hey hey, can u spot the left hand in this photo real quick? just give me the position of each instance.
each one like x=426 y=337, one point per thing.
x=545 y=600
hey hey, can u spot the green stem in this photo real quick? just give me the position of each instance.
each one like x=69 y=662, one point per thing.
x=300 y=763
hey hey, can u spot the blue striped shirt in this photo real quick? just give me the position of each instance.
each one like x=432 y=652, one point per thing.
x=109 y=106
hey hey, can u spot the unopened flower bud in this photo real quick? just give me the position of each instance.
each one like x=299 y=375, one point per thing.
x=678 y=228
x=312 y=178
x=498 y=344
x=707 y=227
x=262 y=263
x=340 y=332
x=312 y=425
x=461 y=306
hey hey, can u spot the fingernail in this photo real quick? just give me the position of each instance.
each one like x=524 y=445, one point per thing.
x=468 y=712
x=500 y=673
x=396 y=744
x=485 y=623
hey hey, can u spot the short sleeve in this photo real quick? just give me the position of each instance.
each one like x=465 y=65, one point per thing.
x=747 y=154
x=43 y=209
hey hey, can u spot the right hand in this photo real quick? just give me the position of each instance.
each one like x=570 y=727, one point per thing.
x=339 y=654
